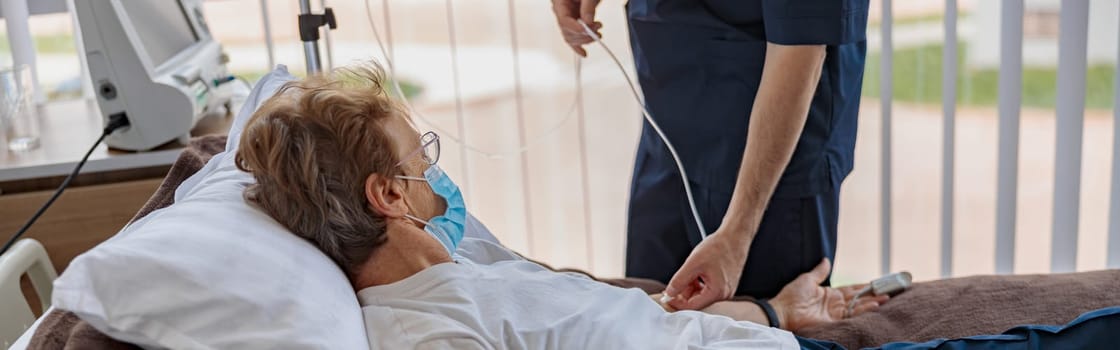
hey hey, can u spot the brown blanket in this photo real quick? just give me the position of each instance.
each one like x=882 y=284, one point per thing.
x=950 y=308
x=961 y=307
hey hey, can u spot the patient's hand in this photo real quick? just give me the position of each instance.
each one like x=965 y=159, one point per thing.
x=800 y=304
x=803 y=302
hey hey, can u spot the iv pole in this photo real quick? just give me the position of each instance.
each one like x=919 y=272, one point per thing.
x=309 y=24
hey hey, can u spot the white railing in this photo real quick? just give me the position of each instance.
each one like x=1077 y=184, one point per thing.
x=1072 y=63
x=886 y=89
x=1114 y=205
x=1010 y=100
x=1071 y=80
x=948 y=155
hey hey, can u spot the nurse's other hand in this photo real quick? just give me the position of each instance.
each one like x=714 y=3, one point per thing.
x=711 y=272
x=567 y=13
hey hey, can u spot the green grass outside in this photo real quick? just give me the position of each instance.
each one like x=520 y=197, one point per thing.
x=917 y=79
x=46 y=44
x=917 y=75
x=410 y=89
x=930 y=18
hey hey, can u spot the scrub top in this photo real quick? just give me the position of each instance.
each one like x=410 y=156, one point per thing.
x=700 y=64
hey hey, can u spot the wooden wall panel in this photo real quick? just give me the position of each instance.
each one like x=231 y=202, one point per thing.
x=80 y=219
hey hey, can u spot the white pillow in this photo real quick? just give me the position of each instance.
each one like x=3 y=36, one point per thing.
x=211 y=271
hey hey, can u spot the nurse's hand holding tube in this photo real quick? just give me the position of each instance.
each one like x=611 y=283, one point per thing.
x=710 y=274
x=568 y=13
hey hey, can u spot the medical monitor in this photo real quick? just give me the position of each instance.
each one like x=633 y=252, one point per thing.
x=163 y=26
x=154 y=61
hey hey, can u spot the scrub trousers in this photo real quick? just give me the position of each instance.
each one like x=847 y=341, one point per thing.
x=1099 y=329
x=793 y=237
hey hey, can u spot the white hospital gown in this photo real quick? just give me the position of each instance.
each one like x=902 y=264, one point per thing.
x=492 y=299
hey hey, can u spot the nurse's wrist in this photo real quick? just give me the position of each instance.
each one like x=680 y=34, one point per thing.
x=742 y=219
x=741 y=231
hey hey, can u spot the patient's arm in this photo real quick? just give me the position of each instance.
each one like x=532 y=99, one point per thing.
x=741 y=311
x=801 y=303
x=737 y=310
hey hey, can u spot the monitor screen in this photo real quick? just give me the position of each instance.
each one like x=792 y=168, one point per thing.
x=163 y=27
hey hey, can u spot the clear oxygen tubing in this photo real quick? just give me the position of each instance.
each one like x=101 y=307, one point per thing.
x=444 y=133
x=460 y=119
x=645 y=113
x=630 y=83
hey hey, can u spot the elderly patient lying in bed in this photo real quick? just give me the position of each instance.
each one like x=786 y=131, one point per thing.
x=338 y=163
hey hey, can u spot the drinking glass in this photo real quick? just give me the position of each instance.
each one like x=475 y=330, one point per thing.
x=19 y=117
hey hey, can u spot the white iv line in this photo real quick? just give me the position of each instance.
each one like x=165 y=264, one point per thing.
x=645 y=113
x=523 y=148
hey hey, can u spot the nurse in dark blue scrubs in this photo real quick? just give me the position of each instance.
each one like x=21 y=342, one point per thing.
x=780 y=79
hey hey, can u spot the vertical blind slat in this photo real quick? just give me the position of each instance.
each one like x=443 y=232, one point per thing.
x=1114 y=207
x=460 y=118
x=521 y=137
x=1070 y=108
x=886 y=77
x=585 y=177
x=1010 y=90
x=268 y=36
x=948 y=153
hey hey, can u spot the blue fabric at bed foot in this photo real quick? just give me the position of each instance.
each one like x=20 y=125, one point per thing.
x=1098 y=329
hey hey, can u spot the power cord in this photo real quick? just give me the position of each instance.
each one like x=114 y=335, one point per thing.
x=116 y=121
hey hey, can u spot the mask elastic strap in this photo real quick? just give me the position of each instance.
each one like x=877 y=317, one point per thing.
x=417 y=219
x=427 y=225
x=414 y=178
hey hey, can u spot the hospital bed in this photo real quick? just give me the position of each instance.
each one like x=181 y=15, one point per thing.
x=28 y=257
x=946 y=308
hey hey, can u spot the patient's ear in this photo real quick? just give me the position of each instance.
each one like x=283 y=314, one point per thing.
x=384 y=196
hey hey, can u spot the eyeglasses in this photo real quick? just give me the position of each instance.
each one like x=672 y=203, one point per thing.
x=429 y=149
